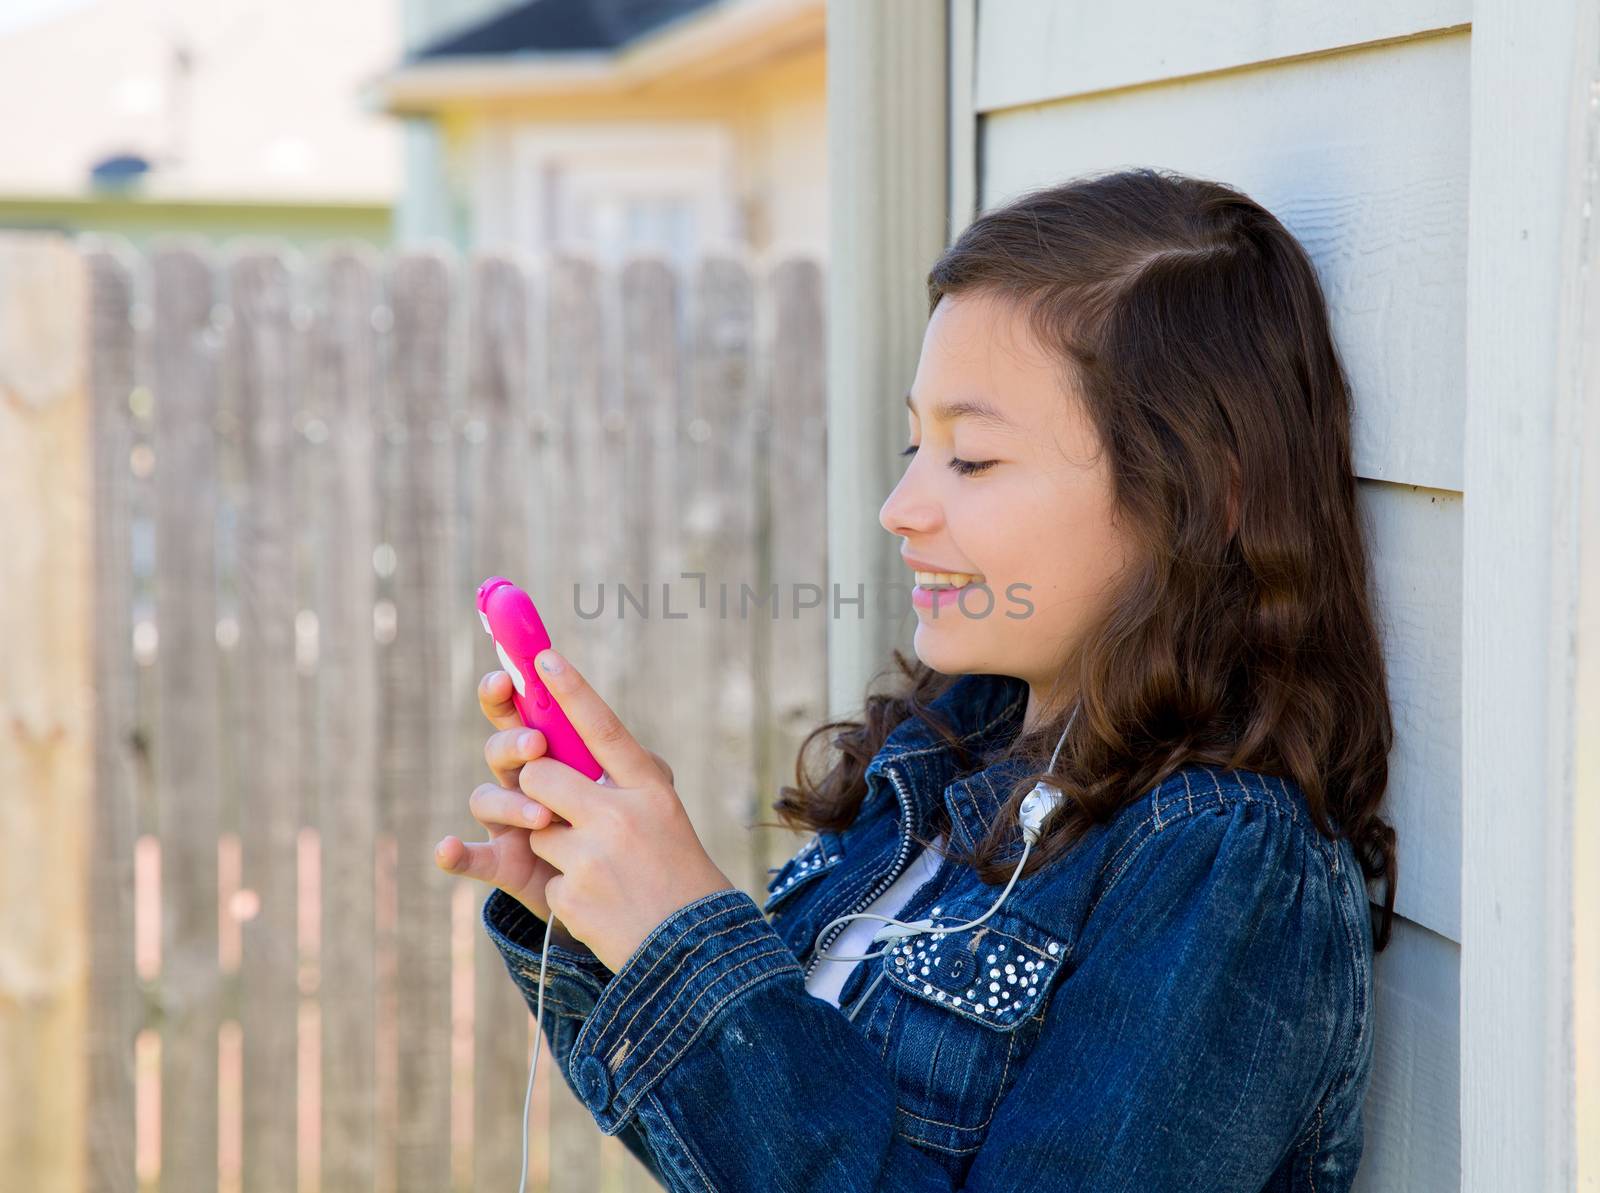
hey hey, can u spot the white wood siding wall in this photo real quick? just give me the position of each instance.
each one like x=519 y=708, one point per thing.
x=1441 y=161
x=1351 y=124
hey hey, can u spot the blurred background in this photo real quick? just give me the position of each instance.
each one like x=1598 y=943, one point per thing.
x=620 y=124
x=314 y=315
x=369 y=301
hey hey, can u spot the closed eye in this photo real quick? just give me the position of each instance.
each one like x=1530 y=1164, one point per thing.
x=964 y=467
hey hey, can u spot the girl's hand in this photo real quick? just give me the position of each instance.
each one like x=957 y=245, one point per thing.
x=505 y=860
x=625 y=853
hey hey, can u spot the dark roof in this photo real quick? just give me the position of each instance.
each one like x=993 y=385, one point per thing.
x=553 y=26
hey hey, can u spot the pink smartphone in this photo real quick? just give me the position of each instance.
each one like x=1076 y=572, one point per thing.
x=518 y=633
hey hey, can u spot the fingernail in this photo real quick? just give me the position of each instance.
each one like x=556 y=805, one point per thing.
x=550 y=662
x=524 y=742
x=530 y=811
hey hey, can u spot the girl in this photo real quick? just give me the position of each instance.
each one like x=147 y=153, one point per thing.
x=1144 y=644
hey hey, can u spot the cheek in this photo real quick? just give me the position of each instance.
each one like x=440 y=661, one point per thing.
x=1062 y=544
x=994 y=523
x=1086 y=560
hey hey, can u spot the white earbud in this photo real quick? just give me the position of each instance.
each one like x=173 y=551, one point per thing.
x=1036 y=805
x=1045 y=797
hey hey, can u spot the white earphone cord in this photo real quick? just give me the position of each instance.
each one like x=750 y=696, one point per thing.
x=538 y=1033
x=1040 y=802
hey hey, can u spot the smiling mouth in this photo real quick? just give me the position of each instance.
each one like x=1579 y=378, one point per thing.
x=947 y=580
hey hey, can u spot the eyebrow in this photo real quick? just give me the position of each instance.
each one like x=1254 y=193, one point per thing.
x=972 y=408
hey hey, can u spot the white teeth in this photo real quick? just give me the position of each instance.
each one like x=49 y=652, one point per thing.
x=945 y=579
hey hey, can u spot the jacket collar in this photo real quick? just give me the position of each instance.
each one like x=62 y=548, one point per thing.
x=986 y=711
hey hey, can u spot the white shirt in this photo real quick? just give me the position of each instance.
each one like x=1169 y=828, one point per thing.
x=829 y=977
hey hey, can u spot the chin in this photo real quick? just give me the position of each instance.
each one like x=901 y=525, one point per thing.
x=944 y=652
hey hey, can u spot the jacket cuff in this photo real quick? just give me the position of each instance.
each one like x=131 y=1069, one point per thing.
x=697 y=961
x=573 y=980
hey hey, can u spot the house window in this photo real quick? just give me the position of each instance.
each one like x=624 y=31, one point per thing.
x=611 y=189
x=666 y=223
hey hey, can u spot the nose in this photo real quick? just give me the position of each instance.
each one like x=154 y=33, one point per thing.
x=906 y=512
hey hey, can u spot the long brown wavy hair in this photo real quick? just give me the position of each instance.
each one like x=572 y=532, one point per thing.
x=1193 y=326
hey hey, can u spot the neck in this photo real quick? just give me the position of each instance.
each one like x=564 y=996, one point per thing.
x=1037 y=711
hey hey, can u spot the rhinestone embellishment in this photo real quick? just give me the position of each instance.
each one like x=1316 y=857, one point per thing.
x=805 y=863
x=1012 y=974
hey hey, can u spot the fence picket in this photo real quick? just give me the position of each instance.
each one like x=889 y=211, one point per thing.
x=344 y=389
x=579 y=541
x=719 y=528
x=498 y=492
x=792 y=681
x=47 y=734
x=262 y=715
x=420 y=705
x=188 y=727
x=113 y=989
x=649 y=316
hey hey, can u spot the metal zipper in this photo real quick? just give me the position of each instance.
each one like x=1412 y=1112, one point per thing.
x=888 y=881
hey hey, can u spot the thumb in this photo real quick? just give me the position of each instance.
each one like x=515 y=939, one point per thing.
x=471 y=860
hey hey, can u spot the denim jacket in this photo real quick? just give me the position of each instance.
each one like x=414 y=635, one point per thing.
x=1182 y=1001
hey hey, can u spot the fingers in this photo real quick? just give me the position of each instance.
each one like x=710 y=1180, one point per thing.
x=494 y=807
x=560 y=846
x=469 y=859
x=567 y=793
x=627 y=762
x=508 y=749
x=494 y=697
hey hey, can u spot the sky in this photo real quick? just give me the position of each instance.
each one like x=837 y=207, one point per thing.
x=18 y=14
x=107 y=78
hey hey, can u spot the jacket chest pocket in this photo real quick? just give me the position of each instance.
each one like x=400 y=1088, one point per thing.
x=962 y=1013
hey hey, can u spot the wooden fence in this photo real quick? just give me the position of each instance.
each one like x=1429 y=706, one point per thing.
x=250 y=497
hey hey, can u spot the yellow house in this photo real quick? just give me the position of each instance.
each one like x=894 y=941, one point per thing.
x=672 y=125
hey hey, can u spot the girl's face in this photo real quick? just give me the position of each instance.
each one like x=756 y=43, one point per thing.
x=1007 y=484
